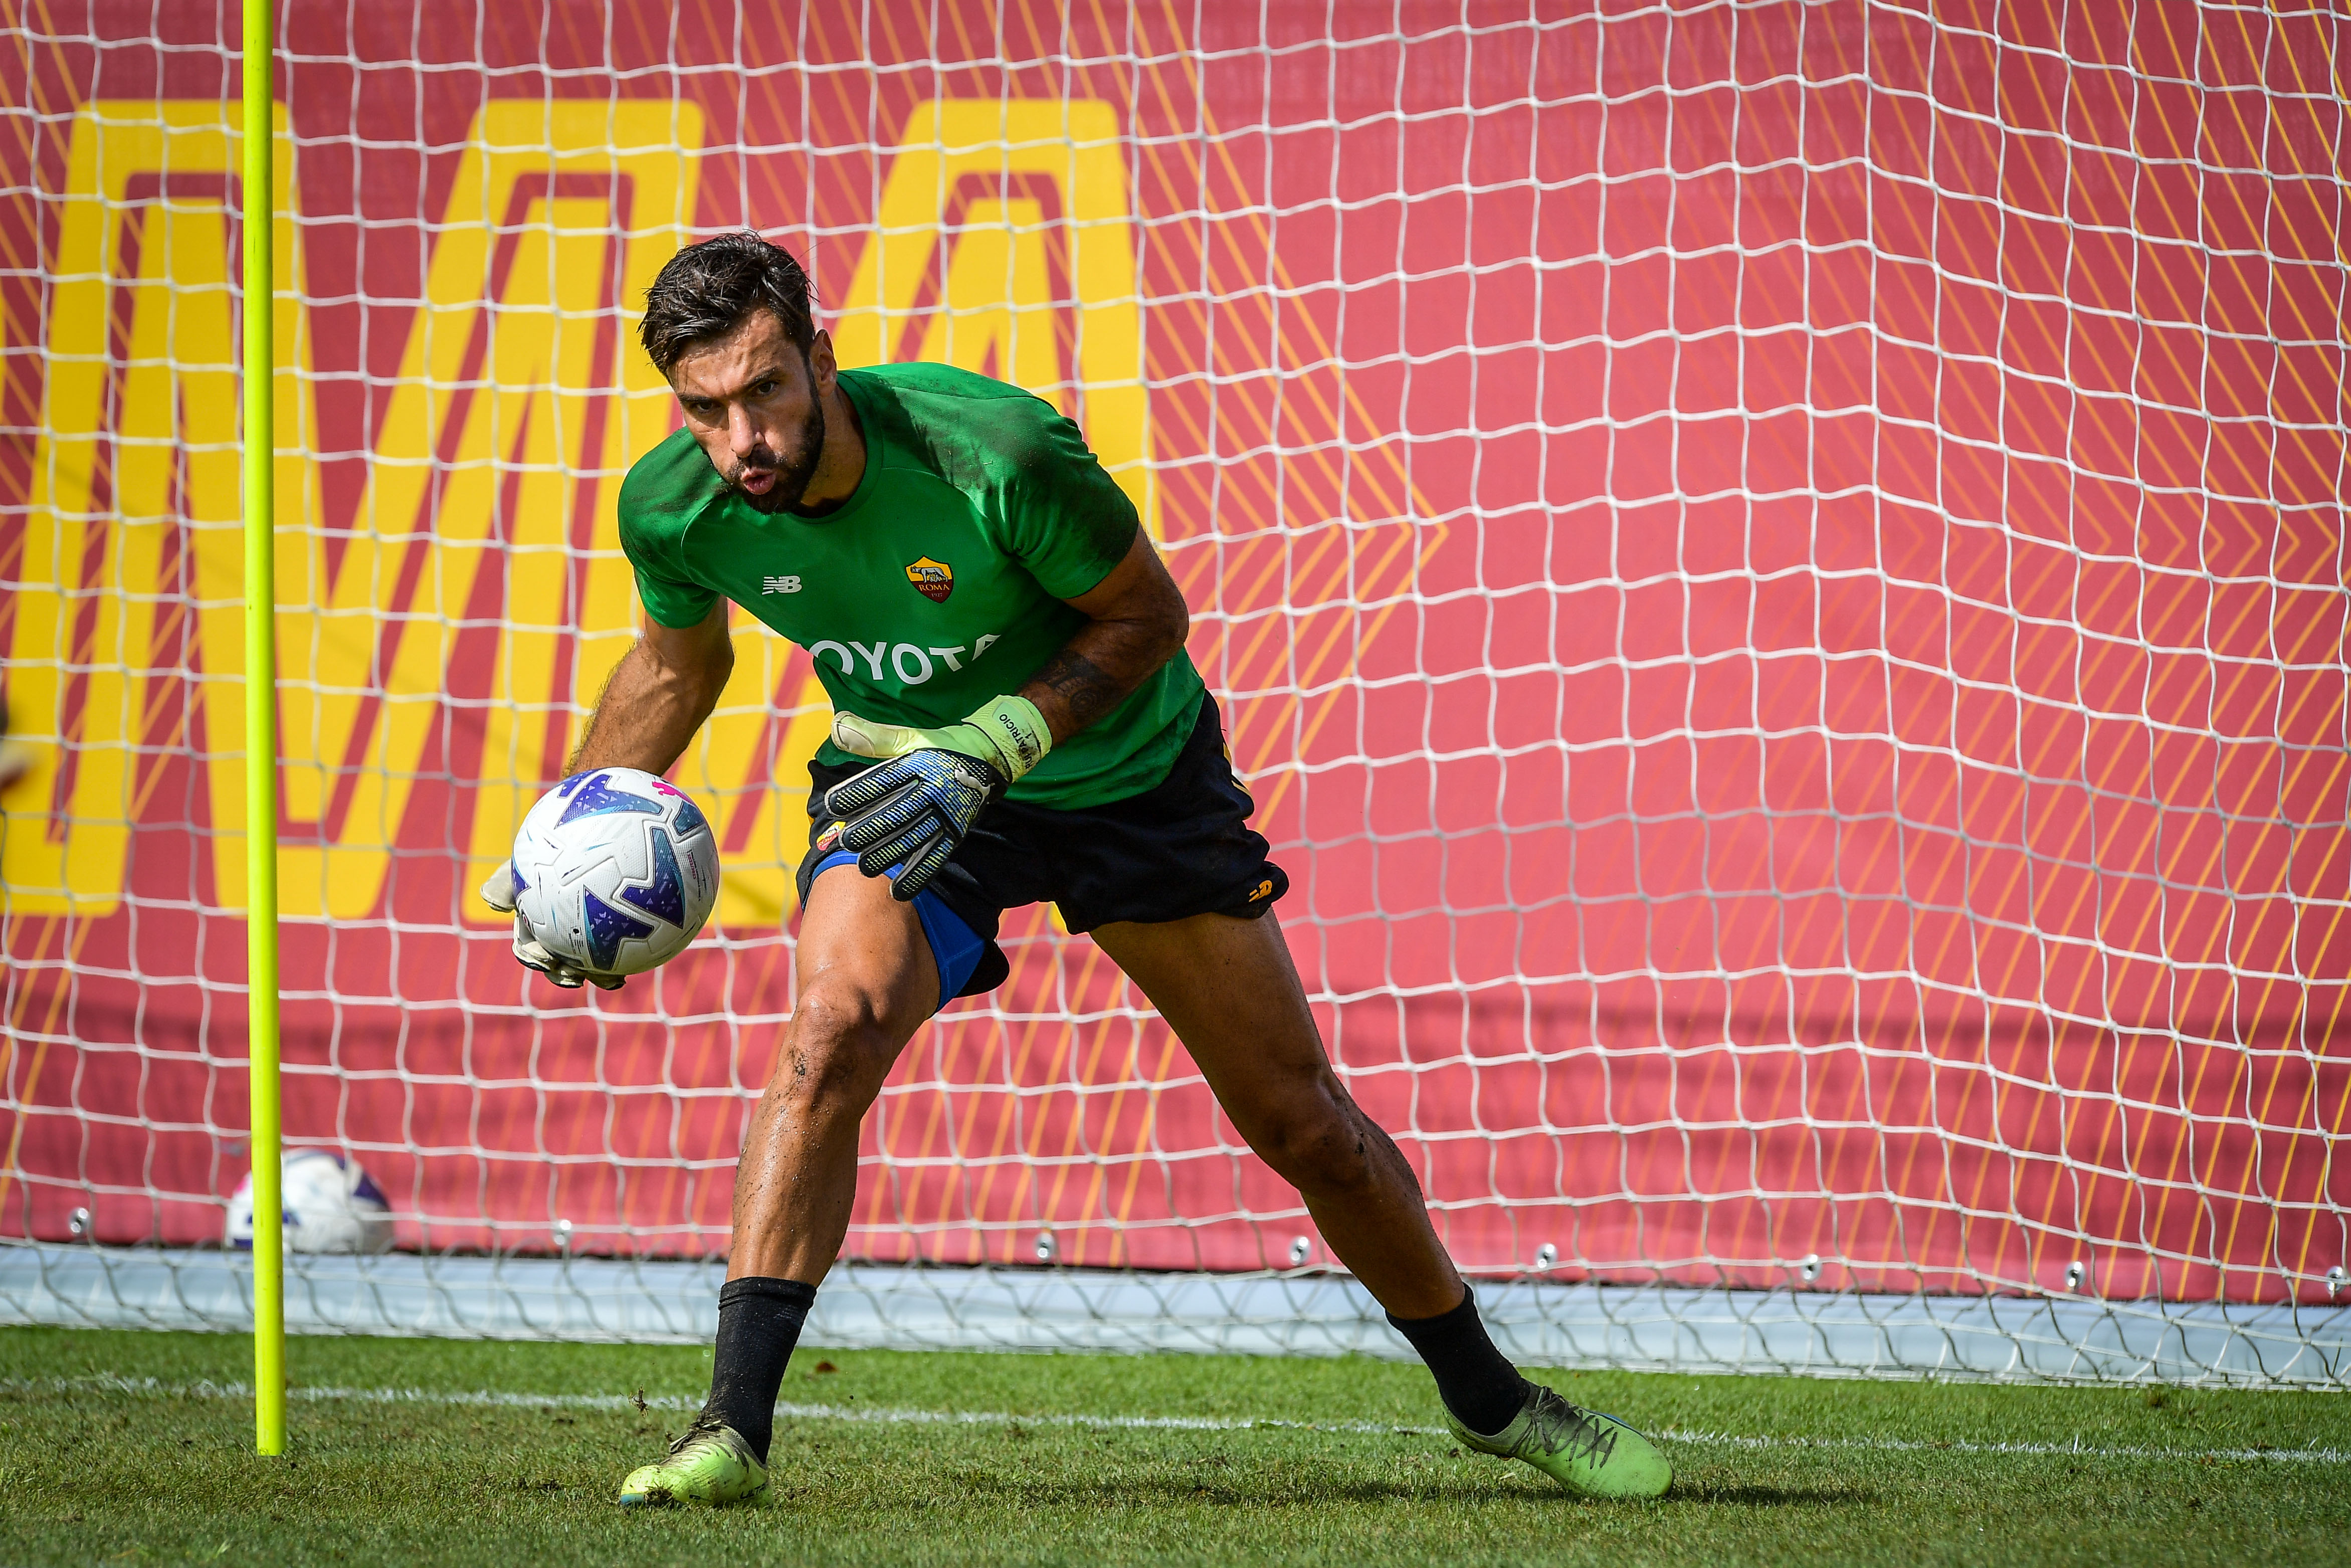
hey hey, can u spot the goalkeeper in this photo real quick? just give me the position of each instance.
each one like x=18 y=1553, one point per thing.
x=1017 y=721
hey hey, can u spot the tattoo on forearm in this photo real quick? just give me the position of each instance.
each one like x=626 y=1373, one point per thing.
x=1088 y=690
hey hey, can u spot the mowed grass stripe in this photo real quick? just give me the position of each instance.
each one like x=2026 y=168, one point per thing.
x=138 y=1448
x=891 y=1415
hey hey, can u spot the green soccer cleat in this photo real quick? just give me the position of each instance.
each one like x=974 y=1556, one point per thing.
x=710 y=1467
x=1581 y=1450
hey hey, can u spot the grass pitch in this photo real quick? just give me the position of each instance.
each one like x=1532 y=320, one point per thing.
x=133 y=1448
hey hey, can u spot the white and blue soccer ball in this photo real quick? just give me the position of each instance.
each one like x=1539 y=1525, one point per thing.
x=615 y=870
x=328 y=1203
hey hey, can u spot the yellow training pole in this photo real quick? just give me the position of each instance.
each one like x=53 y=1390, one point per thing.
x=261 y=745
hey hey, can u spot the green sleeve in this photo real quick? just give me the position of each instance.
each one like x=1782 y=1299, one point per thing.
x=671 y=595
x=1064 y=517
x=673 y=604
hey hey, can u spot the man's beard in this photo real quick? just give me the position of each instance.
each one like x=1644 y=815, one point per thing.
x=792 y=471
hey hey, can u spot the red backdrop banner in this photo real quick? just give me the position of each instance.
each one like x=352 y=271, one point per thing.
x=1776 y=574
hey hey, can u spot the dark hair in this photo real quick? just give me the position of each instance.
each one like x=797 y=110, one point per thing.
x=708 y=290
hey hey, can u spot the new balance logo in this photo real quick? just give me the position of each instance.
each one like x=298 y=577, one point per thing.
x=779 y=585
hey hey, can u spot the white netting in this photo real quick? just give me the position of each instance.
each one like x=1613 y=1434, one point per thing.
x=1775 y=571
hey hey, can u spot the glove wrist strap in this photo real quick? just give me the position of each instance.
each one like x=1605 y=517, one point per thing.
x=1016 y=731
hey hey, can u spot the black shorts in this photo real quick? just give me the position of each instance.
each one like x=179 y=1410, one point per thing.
x=1182 y=848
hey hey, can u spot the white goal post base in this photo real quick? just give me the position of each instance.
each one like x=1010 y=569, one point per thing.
x=878 y=1306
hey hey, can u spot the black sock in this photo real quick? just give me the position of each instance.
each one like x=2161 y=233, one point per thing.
x=758 y=1323
x=1481 y=1388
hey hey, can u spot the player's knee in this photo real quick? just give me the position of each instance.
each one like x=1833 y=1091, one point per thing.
x=1317 y=1141
x=836 y=1052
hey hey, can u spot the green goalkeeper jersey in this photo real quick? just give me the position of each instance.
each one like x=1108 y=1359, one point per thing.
x=938 y=584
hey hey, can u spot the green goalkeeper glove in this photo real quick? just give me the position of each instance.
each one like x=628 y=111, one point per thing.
x=910 y=812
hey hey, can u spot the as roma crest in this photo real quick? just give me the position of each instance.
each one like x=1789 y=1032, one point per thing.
x=933 y=579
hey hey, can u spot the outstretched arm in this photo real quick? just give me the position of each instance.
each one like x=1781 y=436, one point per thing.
x=660 y=693
x=1137 y=621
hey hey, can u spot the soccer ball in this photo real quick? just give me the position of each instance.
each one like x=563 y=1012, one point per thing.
x=615 y=870
x=328 y=1203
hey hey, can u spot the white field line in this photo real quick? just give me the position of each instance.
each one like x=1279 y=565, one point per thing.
x=884 y=1415
x=891 y=1415
x=2077 y=1447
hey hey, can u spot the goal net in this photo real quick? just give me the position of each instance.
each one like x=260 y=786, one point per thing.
x=1775 y=572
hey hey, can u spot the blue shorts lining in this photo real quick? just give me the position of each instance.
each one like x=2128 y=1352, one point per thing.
x=955 y=947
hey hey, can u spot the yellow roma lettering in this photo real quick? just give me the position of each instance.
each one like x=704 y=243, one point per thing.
x=490 y=498
x=480 y=469
x=1030 y=198
x=592 y=198
x=135 y=485
x=479 y=597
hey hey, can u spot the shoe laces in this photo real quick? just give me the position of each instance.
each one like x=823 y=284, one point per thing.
x=1569 y=1429
x=704 y=1429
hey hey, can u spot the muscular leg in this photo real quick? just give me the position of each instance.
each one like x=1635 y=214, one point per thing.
x=1230 y=992
x=867 y=982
